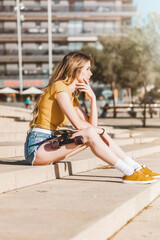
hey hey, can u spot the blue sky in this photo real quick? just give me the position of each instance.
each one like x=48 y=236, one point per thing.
x=146 y=6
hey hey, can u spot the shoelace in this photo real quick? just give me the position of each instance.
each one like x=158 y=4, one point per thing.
x=140 y=171
x=147 y=169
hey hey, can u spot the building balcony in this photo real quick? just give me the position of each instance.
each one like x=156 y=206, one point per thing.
x=61 y=9
x=33 y=52
x=29 y=38
x=30 y=73
x=58 y=33
x=29 y=59
x=69 y=12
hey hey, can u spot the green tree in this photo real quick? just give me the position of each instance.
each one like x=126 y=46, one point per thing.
x=129 y=61
x=107 y=63
x=145 y=45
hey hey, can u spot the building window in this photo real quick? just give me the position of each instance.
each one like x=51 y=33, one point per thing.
x=38 y=23
x=78 y=5
x=56 y=22
x=1 y=45
x=56 y=1
x=39 y=45
x=75 y=27
x=39 y=67
x=75 y=46
x=2 y=69
x=37 y=2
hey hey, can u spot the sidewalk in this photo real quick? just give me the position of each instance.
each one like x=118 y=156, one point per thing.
x=146 y=225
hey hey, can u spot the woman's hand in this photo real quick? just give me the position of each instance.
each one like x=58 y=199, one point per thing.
x=85 y=87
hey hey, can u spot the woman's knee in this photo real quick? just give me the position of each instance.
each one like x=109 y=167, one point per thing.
x=90 y=134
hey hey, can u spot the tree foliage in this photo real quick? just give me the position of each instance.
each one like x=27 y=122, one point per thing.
x=130 y=61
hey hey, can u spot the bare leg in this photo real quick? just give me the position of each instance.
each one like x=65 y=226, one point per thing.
x=46 y=154
x=77 y=150
x=113 y=146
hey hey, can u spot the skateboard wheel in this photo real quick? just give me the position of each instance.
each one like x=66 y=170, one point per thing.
x=78 y=140
x=55 y=144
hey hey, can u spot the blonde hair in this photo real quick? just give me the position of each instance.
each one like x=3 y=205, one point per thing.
x=66 y=71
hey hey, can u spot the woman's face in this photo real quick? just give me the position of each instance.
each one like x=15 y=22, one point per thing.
x=85 y=73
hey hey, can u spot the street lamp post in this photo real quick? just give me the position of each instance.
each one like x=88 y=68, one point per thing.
x=50 y=36
x=19 y=45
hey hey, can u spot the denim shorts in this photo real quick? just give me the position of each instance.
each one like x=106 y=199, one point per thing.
x=33 y=141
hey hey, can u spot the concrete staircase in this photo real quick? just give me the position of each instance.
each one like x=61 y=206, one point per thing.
x=12 y=137
x=15 y=112
x=80 y=198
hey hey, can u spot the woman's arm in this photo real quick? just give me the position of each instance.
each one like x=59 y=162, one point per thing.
x=93 y=113
x=85 y=87
x=81 y=113
x=65 y=104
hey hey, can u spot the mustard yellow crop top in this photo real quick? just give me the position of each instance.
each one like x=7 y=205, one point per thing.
x=50 y=115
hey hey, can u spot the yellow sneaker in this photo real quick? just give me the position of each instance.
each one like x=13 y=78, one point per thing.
x=138 y=177
x=148 y=172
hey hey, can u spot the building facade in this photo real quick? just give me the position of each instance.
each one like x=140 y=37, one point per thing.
x=36 y=33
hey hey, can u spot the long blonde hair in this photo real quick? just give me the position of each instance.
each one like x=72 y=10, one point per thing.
x=66 y=71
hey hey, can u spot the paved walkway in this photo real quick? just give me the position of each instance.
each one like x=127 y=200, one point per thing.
x=145 y=226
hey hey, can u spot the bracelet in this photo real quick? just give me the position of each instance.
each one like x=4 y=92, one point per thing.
x=102 y=131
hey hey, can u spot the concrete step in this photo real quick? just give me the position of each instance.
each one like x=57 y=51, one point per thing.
x=18 y=133
x=90 y=205
x=10 y=125
x=136 y=140
x=11 y=149
x=15 y=112
x=14 y=145
x=15 y=174
x=143 y=226
x=13 y=125
x=121 y=133
x=12 y=136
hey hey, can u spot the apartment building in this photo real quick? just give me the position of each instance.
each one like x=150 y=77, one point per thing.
x=36 y=33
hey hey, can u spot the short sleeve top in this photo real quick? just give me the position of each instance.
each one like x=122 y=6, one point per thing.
x=50 y=114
